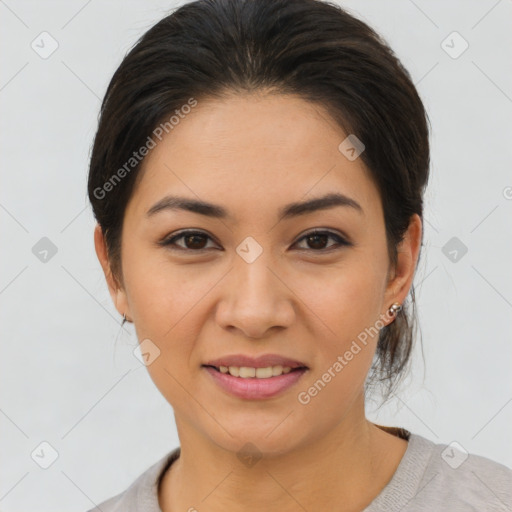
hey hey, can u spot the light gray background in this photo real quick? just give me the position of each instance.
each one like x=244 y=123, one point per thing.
x=65 y=377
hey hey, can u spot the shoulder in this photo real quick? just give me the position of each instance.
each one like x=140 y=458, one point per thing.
x=453 y=473
x=454 y=479
x=142 y=494
x=444 y=477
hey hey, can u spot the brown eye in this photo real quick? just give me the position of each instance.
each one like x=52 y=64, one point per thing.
x=192 y=240
x=196 y=241
x=317 y=240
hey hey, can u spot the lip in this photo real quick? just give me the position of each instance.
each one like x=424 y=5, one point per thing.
x=253 y=388
x=262 y=361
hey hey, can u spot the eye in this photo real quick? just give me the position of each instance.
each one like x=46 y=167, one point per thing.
x=197 y=241
x=318 y=239
x=193 y=240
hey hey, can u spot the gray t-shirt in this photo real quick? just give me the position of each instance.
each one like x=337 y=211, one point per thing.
x=430 y=477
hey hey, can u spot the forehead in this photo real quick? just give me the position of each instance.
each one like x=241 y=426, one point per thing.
x=246 y=149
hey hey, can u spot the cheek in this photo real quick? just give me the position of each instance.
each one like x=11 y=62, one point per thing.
x=164 y=302
x=343 y=305
x=343 y=300
x=159 y=293
x=345 y=311
x=167 y=302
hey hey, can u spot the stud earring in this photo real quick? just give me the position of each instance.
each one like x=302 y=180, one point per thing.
x=395 y=308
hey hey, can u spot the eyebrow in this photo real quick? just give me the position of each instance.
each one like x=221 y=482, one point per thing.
x=288 y=211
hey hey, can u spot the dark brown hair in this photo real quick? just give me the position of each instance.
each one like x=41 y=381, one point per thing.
x=310 y=48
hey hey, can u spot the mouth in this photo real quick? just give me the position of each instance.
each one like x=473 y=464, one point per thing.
x=262 y=366
x=248 y=372
x=257 y=381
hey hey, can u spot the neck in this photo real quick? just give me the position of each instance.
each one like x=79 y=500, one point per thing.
x=350 y=464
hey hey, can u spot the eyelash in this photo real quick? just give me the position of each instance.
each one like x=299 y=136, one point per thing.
x=170 y=242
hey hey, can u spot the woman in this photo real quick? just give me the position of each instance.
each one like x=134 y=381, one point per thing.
x=257 y=177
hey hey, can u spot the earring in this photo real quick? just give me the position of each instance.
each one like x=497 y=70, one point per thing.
x=124 y=320
x=395 y=308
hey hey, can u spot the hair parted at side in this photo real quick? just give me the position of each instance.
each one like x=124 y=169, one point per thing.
x=310 y=48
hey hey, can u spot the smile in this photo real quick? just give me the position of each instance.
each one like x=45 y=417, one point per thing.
x=255 y=383
x=246 y=372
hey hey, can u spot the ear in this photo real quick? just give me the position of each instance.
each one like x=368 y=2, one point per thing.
x=407 y=258
x=116 y=290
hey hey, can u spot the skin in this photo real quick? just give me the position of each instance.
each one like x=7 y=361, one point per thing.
x=252 y=154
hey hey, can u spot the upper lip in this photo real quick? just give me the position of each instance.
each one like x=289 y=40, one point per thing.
x=262 y=361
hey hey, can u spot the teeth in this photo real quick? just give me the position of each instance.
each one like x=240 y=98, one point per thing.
x=235 y=371
x=277 y=370
x=246 y=372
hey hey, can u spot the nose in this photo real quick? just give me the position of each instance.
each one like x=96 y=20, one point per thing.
x=255 y=299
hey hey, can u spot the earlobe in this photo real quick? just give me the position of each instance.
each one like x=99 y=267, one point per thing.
x=117 y=293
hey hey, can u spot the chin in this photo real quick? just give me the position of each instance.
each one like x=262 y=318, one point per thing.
x=256 y=440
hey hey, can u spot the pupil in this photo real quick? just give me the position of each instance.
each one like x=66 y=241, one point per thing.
x=313 y=237
x=195 y=237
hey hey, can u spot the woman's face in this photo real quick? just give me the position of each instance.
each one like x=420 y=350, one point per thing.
x=251 y=282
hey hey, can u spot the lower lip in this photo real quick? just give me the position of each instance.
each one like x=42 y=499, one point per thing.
x=253 y=388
